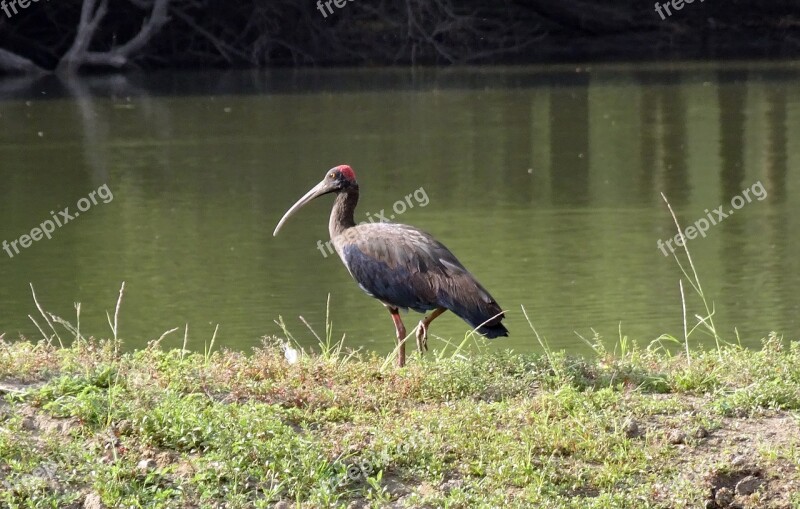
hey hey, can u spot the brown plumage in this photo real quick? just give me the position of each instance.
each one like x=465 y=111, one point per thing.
x=402 y=266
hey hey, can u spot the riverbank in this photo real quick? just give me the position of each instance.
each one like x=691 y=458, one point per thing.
x=88 y=426
x=284 y=33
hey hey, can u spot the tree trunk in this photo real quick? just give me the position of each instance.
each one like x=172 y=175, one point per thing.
x=92 y=14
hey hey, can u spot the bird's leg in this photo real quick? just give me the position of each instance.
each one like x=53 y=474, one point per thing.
x=422 y=329
x=401 y=336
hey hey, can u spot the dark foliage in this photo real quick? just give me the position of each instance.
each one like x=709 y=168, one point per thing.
x=365 y=32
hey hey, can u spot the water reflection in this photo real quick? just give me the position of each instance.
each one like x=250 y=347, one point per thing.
x=546 y=184
x=569 y=144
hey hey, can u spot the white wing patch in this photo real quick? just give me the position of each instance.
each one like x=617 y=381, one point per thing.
x=453 y=267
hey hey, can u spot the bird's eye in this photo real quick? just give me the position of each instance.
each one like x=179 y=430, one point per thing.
x=331 y=175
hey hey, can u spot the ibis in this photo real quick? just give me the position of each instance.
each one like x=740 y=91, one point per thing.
x=401 y=266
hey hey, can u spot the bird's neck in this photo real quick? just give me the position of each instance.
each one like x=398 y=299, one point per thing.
x=343 y=213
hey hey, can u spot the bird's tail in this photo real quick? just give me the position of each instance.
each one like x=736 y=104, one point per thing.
x=473 y=304
x=493 y=331
x=486 y=321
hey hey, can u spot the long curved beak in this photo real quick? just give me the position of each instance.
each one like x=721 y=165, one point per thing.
x=316 y=191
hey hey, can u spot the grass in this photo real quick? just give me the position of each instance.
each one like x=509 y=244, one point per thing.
x=156 y=428
x=661 y=426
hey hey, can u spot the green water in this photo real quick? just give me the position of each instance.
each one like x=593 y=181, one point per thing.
x=545 y=182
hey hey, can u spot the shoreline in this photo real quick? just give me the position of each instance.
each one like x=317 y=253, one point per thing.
x=88 y=426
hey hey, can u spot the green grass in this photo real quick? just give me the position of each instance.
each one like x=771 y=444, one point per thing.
x=224 y=429
x=661 y=426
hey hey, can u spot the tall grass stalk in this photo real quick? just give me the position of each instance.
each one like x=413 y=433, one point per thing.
x=390 y=359
x=208 y=348
x=597 y=345
x=185 y=339
x=78 y=320
x=708 y=320
x=478 y=341
x=115 y=325
x=685 y=328
x=457 y=348
x=330 y=350
x=49 y=339
x=157 y=342
x=624 y=344
x=51 y=318
x=544 y=344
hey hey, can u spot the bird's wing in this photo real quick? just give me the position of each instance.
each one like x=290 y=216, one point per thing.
x=408 y=268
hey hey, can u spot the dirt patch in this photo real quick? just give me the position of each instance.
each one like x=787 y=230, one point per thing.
x=743 y=463
x=18 y=388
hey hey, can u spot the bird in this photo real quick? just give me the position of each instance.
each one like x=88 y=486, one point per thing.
x=401 y=266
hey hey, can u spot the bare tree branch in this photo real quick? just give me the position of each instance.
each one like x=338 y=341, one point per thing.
x=89 y=21
x=158 y=18
x=79 y=54
x=15 y=63
x=72 y=34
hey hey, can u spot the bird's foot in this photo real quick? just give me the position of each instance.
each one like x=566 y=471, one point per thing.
x=422 y=337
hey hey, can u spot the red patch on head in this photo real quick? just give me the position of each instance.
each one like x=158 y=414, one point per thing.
x=346 y=172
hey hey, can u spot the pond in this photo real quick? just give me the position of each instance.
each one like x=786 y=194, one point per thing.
x=546 y=182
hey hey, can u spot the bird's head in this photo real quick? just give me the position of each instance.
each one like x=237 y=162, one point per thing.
x=338 y=179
